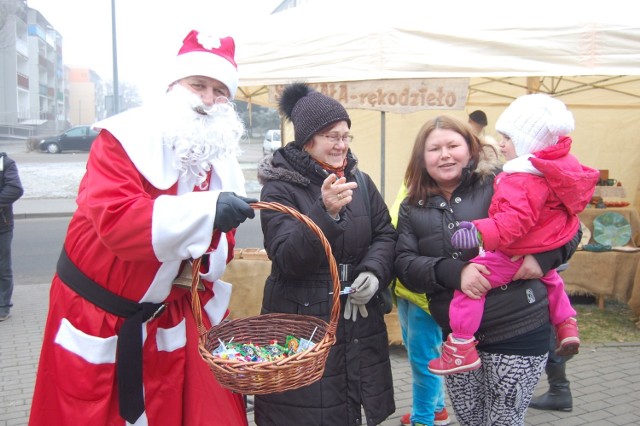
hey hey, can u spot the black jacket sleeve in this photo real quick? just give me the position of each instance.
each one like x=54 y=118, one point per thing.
x=549 y=260
x=416 y=271
x=11 y=189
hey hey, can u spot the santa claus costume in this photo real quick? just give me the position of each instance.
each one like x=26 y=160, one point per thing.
x=144 y=209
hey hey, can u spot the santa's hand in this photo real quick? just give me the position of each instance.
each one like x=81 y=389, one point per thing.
x=466 y=237
x=232 y=210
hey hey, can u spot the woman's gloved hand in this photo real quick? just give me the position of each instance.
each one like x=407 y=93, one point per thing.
x=232 y=210
x=351 y=310
x=364 y=287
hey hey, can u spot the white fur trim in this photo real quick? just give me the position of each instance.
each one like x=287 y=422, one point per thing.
x=217 y=306
x=227 y=176
x=171 y=339
x=137 y=131
x=162 y=283
x=217 y=260
x=182 y=225
x=95 y=350
x=208 y=65
x=521 y=165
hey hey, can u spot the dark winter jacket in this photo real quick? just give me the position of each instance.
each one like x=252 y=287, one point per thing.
x=10 y=191
x=426 y=262
x=358 y=370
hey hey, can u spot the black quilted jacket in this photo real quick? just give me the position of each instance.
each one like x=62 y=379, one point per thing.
x=358 y=370
x=10 y=191
x=426 y=262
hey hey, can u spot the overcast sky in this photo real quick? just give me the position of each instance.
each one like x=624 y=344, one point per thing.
x=150 y=32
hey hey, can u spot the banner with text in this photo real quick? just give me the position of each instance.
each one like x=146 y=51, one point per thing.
x=401 y=96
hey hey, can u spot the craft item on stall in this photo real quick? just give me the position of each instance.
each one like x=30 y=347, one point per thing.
x=611 y=229
x=616 y=203
x=586 y=236
x=596 y=247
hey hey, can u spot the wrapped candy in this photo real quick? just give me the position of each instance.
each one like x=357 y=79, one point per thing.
x=250 y=352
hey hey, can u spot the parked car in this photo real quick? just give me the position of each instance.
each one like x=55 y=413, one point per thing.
x=78 y=138
x=271 y=142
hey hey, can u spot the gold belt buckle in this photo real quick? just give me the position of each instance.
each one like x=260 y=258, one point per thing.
x=183 y=280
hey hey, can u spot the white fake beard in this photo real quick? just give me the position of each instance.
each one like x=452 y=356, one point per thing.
x=198 y=134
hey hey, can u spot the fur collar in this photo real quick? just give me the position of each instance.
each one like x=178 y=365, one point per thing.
x=489 y=163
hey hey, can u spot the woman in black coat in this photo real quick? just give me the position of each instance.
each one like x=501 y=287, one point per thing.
x=316 y=174
x=449 y=179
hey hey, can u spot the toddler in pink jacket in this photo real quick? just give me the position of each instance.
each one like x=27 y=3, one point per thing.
x=535 y=207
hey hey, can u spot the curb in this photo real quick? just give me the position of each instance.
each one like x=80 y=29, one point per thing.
x=20 y=216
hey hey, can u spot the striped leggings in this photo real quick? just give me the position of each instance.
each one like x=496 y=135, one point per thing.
x=498 y=393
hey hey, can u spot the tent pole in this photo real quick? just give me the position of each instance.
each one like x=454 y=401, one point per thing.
x=533 y=85
x=382 y=156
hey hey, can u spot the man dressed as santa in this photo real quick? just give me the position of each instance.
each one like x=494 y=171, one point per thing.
x=120 y=344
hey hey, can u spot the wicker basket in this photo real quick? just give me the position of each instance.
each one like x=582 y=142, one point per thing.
x=298 y=370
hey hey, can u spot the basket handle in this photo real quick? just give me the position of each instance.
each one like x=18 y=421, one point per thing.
x=333 y=267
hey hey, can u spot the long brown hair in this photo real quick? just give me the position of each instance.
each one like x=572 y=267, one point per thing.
x=421 y=186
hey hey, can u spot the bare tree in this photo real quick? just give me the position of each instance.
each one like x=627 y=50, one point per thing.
x=8 y=8
x=129 y=95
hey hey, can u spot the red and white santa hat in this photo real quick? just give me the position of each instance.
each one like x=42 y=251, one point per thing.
x=210 y=56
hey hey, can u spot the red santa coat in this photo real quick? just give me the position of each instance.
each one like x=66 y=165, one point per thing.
x=530 y=213
x=135 y=224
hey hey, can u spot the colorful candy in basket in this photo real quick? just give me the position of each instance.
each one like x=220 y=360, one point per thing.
x=250 y=352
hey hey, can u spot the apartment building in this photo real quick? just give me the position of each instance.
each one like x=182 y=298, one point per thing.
x=38 y=94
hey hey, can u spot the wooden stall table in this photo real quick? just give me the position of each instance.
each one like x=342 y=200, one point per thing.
x=613 y=274
x=249 y=270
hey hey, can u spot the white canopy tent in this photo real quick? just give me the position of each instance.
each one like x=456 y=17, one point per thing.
x=586 y=53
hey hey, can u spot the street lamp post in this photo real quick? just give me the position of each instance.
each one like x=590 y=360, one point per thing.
x=116 y=94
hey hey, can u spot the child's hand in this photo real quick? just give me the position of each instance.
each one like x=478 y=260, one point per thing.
x=466 y=237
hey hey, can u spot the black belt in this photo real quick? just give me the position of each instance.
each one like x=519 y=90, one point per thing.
x=129 y=345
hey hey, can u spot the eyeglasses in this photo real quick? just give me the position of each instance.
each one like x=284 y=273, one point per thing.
x=335 y=138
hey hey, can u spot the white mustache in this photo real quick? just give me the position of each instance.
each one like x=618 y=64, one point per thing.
x=198 y=133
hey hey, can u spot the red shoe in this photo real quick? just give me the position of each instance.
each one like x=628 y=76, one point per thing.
x=406 y=420
x=442 y=419
x=567 y=337
x=456 y=358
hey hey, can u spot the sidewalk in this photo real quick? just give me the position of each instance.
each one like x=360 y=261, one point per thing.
x=605 y=379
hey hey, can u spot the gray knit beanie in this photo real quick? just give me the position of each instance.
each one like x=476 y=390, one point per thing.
x=309 y=111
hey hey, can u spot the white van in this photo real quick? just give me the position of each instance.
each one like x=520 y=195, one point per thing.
x=271 y=141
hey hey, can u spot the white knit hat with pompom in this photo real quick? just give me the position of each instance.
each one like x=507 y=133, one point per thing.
x=535 y=122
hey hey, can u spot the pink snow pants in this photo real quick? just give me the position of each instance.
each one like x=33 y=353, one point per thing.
x=465 y=313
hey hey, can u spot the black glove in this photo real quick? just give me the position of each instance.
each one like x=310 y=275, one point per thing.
x=232 y=210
